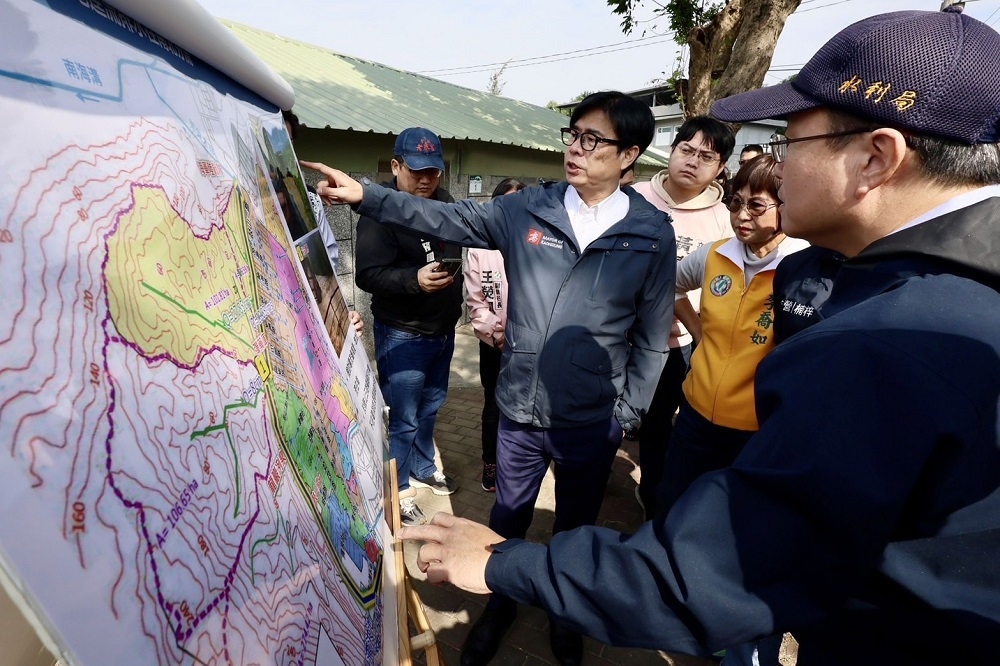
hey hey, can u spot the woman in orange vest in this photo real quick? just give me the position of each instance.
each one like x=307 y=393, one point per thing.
x=733 y=333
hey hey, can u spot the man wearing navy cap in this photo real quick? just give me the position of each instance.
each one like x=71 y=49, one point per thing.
x=416 y=304
x=864 y=516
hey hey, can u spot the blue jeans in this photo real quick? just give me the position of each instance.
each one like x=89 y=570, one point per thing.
x=413 y=375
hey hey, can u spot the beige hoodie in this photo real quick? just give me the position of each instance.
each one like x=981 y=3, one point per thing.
x=698 y=221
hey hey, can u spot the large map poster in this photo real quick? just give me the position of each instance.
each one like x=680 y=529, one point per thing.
x=189 y=472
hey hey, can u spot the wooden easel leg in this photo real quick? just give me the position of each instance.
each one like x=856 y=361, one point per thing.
x=425 y=640
x=408 y=602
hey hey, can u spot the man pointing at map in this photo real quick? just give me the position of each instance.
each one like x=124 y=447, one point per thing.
x=589 y=309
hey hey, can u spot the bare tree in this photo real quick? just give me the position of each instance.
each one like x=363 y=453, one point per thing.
x=496 y=83
x=731 y=43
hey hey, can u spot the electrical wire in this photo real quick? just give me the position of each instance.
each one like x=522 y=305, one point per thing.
x=545 y=58
x=803 y=11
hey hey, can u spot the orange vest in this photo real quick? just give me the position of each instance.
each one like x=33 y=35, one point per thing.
x=736 y=334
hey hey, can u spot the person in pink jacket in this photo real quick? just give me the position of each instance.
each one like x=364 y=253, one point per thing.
x=486 y=289
x=688 y=191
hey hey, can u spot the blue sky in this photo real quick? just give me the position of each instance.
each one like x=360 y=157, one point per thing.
x=436 y=34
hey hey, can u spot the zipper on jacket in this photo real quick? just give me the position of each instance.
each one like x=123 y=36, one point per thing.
x=597 y=277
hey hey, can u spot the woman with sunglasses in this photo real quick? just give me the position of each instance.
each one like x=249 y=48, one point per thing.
x=733 y=332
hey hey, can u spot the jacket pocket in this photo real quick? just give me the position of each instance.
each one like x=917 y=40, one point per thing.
x=521 y=348
x=596 y=377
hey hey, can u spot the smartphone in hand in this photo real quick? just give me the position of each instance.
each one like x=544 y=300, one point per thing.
x=453 y=266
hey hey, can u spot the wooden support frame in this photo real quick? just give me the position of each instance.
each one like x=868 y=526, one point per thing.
x=409 y=606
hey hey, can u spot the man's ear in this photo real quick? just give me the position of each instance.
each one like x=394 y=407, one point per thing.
x=395 y=167
x=884 y=152
x=628 y=156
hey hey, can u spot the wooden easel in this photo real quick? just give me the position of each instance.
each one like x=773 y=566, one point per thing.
x=409 y=606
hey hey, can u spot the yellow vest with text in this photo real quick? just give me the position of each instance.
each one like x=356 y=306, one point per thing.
x=737 y=325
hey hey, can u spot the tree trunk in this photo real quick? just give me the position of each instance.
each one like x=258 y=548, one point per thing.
x=735 y=48
x=710 y=53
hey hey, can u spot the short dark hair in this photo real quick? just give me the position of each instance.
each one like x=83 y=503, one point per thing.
x=293 y=122
x=631 y=119
x=752 y=147
x=506 y=185
x=718 y=135
x=757 y=175
x=945 y=162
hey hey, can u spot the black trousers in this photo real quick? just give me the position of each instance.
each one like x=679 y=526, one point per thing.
x=658 y=424
x=489 y=371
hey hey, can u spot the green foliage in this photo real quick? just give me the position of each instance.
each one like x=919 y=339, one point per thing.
x=554 y=105
x=684 y=15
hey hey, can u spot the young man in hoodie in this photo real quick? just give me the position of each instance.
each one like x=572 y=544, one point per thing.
x=688 y=191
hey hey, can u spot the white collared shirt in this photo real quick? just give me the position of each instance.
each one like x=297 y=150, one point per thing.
x=589 y=222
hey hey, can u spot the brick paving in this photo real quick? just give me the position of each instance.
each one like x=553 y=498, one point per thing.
x=451 y=611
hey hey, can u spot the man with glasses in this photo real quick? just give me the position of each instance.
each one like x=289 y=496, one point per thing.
x=591 y=272
x=416 y=303
x=864 y=516
x=687 y=189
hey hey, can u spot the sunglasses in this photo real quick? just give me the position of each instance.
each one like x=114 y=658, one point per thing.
x=756 y=207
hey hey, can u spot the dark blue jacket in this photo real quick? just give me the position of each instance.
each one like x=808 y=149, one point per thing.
x=802 y=283
x=864 y=516
x=587 y=328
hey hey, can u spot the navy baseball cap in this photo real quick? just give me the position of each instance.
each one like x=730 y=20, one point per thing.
x=419 y=148
x=933 y=73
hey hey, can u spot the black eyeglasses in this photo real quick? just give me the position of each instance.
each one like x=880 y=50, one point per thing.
x=588 y=141
x=779 y=144
x=756 y=207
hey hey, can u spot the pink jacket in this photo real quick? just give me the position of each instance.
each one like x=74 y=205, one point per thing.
x=697 y=222
x=486 y=286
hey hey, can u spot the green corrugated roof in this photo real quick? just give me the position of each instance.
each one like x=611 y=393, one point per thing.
x=341 y=92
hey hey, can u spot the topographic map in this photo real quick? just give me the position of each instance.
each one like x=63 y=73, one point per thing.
x=189 y=474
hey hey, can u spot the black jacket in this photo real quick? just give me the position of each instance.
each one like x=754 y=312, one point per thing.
x=387 y=259
x=802 y=284
x=863 y=516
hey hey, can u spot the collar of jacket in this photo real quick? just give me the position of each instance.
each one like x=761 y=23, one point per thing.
x=963 y=243
x=642 y=220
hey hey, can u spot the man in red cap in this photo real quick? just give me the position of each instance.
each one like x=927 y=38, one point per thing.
x=864 y=516
x=416 y=304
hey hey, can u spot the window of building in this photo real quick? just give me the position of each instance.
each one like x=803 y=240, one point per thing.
x=664 y=136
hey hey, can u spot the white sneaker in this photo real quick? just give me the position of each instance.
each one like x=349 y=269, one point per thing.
x=437 y=482
x=410 y=513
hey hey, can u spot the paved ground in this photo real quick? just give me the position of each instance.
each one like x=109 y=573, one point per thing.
x=450 y=611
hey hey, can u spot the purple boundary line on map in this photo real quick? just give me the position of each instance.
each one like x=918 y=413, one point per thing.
x=179 y=634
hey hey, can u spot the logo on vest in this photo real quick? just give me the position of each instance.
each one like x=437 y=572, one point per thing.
x=720 y=285
x=536 y=237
